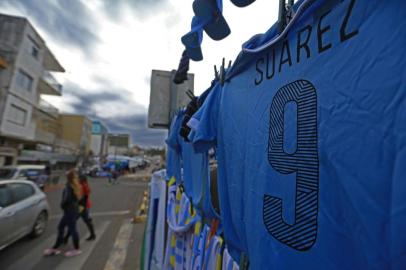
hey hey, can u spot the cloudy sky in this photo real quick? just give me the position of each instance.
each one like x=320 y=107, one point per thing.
x=109 y=47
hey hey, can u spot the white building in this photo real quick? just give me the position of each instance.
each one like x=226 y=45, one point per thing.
x=24 y=77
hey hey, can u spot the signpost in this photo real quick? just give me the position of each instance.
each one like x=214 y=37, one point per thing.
x=166 y=97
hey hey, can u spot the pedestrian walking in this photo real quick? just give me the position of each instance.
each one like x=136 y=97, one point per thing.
x=109 y=175
x=84 y=206
x=71 y=196
x=116 y=175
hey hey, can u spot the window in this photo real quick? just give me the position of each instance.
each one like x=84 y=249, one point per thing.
x=6 y=174
x=21 y=191
x=17 y=115
x=24 y=80
x=33 y=48
x=22 y=174
x=34 y=52
x=5 y=196
x=30 y=174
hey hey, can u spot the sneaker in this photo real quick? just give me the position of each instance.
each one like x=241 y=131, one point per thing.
x=72 y=253
x=91 y=238
x=51 y=251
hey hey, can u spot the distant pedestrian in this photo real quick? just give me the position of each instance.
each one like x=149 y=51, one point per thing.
x=84 y=206
x=115 y=175
x=109 y=176
x=71 y=196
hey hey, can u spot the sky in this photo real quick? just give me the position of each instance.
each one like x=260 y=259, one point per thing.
x=109 y=47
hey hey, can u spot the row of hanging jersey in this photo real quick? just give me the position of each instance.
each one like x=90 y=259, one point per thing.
x=309 y=133
x=189 y=167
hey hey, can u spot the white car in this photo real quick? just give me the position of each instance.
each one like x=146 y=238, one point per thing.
x=22 y=172
x=24 y=210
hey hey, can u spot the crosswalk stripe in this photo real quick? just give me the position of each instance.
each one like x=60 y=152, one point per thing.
x=119 y=252
x=33 y=257
x=87 y=248
x=137 y=184
x=99 y=214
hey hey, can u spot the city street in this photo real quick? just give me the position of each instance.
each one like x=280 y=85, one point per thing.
x=118 y=241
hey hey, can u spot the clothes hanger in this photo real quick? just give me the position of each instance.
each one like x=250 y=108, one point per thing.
x=285 y=14
x=220 y=75
x=190 y=94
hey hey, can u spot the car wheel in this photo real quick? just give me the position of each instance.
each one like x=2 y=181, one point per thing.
x=40 y=224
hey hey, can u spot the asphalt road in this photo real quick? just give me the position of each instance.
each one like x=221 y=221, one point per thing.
x=118 y=241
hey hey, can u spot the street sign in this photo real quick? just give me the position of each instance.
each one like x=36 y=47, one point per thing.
x=166 y=97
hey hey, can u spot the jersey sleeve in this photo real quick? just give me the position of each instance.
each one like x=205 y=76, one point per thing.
x=204 y=122
x=173 y=157
x=172 y=140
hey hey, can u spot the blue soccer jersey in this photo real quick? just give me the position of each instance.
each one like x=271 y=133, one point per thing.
x=183 y=156
x=310 y=132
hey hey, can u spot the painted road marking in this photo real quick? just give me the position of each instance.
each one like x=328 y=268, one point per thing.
x=100 y=214
x=34 y=257
x=119 y=252
x=87 y=249
x=137 y=184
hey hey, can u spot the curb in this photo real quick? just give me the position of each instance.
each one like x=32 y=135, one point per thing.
x=141 y=215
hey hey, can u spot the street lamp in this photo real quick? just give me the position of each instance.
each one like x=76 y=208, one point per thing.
x=114 y=144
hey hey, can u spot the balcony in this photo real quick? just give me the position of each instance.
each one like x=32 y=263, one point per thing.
x=44 y=137
x=67 y=147
x=48 y=85
x=51 y=63
x=32 y=155
x=48 y=108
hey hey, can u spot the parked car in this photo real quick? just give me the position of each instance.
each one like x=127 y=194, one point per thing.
x=23 y=172
x=92 y=170
x=24 y=210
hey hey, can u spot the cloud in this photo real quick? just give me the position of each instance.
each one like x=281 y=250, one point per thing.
x=140 y=8
x=140 y=133
x=109 y=47
x=68 y=21
x=116 y=109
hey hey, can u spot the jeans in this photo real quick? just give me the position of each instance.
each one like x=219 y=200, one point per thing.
x=68 y=220
x=88 y=221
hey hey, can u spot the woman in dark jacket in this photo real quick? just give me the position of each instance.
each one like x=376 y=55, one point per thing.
x=70 y=205
x=84 y=206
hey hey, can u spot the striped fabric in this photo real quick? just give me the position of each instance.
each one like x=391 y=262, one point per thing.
x=191 y=244
x=228 y=262
x=199 y=249
x=213 y=254
x=181 y=221
x=169 y=261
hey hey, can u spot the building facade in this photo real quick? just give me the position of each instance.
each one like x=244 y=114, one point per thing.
x=119 y=144
x=99 y=144
x=76 y=129
x=26 y=64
